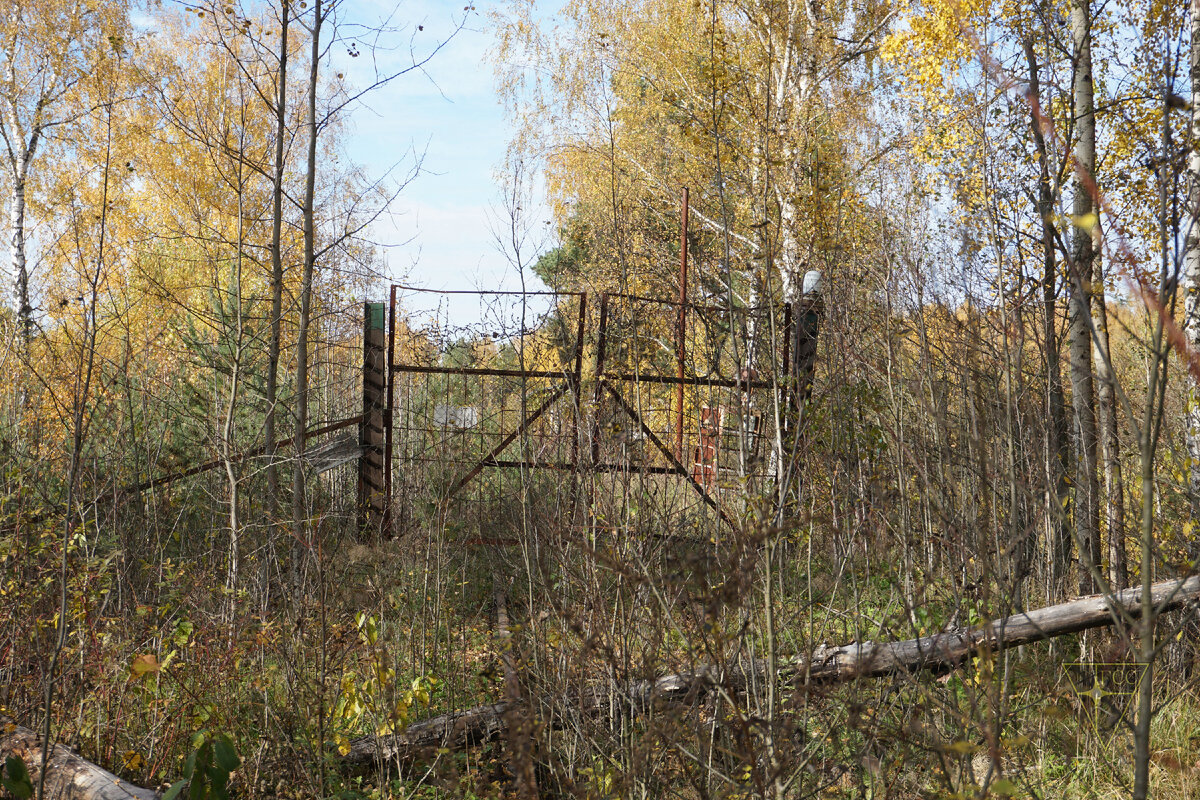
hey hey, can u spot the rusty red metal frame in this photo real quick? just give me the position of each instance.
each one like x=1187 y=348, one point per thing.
x=680 y=333
x=606 y=385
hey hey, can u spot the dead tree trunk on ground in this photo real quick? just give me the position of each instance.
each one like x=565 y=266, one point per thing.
x=68 y=776
x=939 y=651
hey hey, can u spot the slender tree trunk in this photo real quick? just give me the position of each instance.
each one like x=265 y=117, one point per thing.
x=1110 y=442
x=1106 y=387
x=276 y=269
x=20 y=152
x=83 y=385
x=1057 y=454
x=231 y=404
x=1088 y=249
x=1152 y=421
x=299 y=498
x=1080 y=269
x=19 y=267
x=1147 y=648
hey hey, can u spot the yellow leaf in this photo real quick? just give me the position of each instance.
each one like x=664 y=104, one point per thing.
x=143 y=664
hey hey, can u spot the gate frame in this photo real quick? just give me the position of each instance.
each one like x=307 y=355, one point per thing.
x=801 y=325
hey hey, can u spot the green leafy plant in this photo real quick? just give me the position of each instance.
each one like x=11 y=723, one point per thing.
x=206 y=771
x=16 y=779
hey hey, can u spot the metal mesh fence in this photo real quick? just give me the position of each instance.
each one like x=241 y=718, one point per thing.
x=618 y=412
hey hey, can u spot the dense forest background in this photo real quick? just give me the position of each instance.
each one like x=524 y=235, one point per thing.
x=1003 y=201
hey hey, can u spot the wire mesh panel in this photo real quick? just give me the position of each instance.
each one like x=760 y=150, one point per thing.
x=695 y=386
x=478 y=407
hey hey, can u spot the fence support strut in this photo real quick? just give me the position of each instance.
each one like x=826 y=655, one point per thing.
x=681 y=330
x=372 y=483
x=388 y=455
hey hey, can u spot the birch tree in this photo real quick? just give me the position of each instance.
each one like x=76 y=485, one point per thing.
x=47 y=50
x=1081 y=273
x=1191 y=264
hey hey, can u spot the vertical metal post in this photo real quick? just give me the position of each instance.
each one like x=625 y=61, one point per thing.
x=806 y=320
x=681 y=331
x=577 y=389
x=787 y=341
x=371 y=437
x=804 y=324
x=577 y=379
x=388 y=461
x=601 y=343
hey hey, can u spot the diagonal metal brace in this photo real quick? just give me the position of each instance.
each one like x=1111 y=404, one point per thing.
x=674 y=462
x=500 y=448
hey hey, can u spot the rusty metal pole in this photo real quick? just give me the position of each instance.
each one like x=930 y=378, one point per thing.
x=577 y=377
x=682 y=325
x=577 y=386
x=387 y=415
x=601 y=344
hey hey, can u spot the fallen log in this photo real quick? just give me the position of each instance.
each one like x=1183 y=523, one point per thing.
x=455 y=731
x=939 y=651
x=68 y=776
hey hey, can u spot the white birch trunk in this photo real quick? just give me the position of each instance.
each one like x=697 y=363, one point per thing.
x=68 y=777
x=16 y=217
x=1191 y=268
x=1083 y=400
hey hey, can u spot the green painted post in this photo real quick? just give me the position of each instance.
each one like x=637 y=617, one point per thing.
x=372 y=431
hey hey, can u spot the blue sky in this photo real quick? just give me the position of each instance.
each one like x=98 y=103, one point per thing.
x=441 y=228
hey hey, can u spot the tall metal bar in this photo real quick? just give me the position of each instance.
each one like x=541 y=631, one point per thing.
x=577 y=390
x=804 y=327
x=681 y=332
x=372 y=430
x=388 y=462
x=787 y=346
x=601 y=344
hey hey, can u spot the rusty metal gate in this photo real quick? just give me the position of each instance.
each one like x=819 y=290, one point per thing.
x=597 y=407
